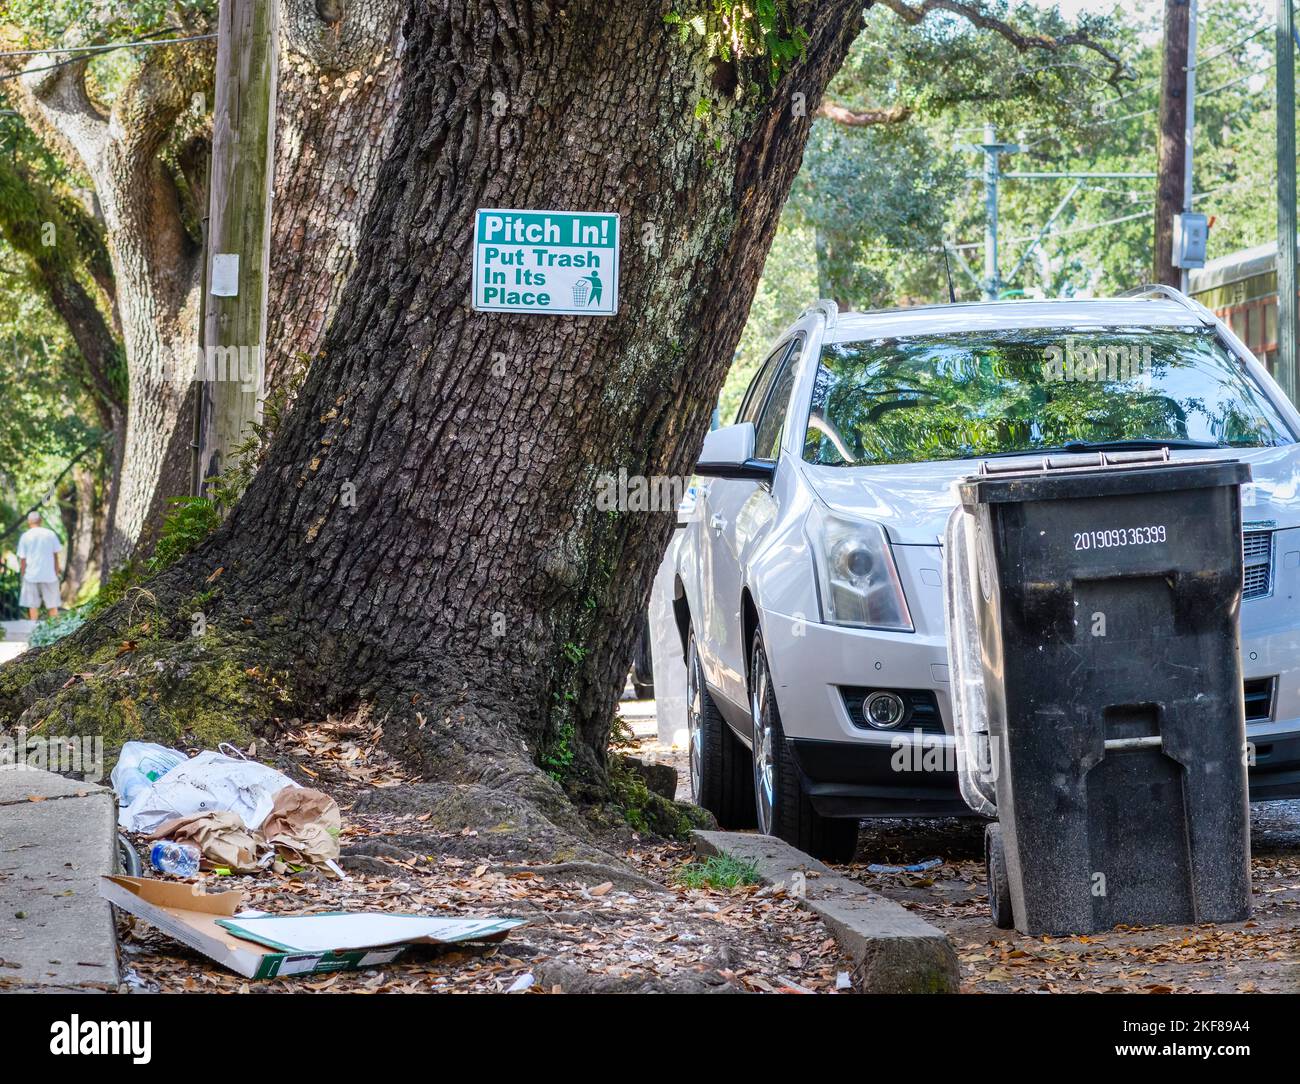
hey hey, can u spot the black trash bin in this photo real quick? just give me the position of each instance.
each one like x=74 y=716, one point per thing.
x=1093 y=633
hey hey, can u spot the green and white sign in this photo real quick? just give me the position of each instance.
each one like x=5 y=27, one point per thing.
x=556 y=263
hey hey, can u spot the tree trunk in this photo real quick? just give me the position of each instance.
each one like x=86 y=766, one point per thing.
x=338 y=97
x=82 y=511
x=337 y=101
x=425 y=528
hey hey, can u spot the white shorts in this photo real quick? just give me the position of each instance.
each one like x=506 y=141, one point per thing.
x=34 y=594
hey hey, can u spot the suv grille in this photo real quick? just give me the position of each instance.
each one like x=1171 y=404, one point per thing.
x=1257 y=550
x=922 y=707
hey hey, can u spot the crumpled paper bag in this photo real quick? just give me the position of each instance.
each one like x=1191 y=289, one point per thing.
x=303 y=826
x=221 y=837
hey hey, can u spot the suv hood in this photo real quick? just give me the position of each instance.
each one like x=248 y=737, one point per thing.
x=913 y=500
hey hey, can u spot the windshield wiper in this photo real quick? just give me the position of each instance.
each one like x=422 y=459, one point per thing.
x=1144 y=442
x=1076 y=446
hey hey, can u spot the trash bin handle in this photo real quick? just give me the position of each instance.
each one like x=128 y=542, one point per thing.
x=1117 y=745
x=1076 y=461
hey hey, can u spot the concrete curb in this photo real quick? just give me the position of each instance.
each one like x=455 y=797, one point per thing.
x=893 y=950
x=57 y=837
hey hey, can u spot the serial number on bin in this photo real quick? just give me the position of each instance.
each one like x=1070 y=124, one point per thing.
x=1119 y=536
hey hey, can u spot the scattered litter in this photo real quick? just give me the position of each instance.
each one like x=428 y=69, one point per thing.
x=522 y=983
x=843 y=982
x=219 y=838
x=303 y=827
x=140 y=764
x=915 y=867
x=178 y=859
x=207 y=783
x=261 y=946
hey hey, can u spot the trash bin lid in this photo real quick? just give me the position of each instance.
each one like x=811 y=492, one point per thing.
x=1098 y=474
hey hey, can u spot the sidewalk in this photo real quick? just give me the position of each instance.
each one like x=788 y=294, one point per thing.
x=57 y=837
x=15 y=641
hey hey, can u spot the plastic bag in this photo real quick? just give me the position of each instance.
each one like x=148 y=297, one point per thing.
x=140 y=764
x=209 y=783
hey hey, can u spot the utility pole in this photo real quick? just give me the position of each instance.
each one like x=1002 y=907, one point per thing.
x=1285 y=369
x=1173 y=154
x=991 y=286
x=238 y=234
x=1189 y=125
x=992 y=283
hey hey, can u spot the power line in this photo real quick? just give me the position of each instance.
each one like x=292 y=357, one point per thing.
x=144 y=42
x=98 y=48
x=1087 y=226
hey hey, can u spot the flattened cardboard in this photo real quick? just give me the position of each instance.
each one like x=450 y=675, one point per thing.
x=208 y=923
x=338 y=931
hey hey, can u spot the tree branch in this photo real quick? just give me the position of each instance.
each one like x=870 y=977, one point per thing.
x=50 y=94
x=973 y=12
x=864 y=118
x=159 y=94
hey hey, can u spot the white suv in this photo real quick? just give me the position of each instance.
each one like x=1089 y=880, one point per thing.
x=808 y=593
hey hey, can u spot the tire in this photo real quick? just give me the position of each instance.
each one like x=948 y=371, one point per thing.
x=995 y=865
x=781 y=804
x=722 y=780
x=642 y=670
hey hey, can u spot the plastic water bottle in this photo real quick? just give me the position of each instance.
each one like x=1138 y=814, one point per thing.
x=179 y=859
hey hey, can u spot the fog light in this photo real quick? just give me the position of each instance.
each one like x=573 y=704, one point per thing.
x=884 y=710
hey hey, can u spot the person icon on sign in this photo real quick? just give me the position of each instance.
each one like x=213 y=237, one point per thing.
x=596 y=288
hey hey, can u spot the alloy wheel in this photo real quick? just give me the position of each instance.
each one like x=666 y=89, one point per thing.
x=694 y=718
x=764 y=749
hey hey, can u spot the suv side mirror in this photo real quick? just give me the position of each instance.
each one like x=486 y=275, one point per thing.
x=729 y=453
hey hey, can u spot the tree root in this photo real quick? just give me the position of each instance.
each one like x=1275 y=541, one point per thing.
x=589 y=873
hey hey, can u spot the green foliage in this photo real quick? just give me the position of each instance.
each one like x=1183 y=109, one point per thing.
x=189 y=522
x=744 y=29
x=645 y=811
x=873 y=207
x=557 y=755
x=717 y=871
x=55 y=629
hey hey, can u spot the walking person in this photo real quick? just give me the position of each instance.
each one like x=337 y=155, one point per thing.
x=38 y=565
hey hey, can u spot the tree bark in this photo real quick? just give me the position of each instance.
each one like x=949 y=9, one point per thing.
x=338 y=90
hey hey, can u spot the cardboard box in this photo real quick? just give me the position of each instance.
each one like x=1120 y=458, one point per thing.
x=262 y=946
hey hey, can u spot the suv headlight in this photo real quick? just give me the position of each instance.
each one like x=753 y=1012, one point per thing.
x=857 y=580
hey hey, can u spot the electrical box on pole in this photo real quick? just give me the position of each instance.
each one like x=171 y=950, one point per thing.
x=1191 y=231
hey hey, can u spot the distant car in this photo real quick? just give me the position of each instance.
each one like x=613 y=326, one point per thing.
x=808 y=595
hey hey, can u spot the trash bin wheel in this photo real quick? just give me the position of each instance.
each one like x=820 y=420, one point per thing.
x=721 y=778
x=995 y=865
x=127 y=858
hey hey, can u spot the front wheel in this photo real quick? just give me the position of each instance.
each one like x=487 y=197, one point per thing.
x=781 y=804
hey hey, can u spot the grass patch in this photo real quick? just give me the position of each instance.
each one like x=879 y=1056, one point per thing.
x=717 y=871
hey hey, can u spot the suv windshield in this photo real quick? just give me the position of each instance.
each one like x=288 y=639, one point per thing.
x=980 y=393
